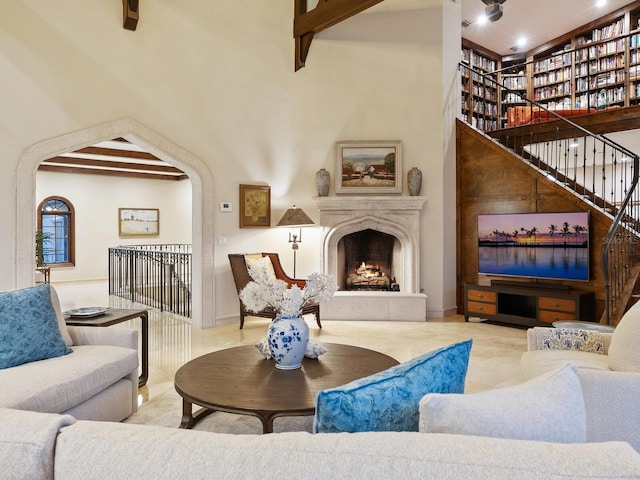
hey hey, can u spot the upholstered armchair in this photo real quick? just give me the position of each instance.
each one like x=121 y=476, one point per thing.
x=240 y=270
x=608 y=366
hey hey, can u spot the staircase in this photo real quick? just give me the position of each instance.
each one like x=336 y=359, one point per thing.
x=600 y=173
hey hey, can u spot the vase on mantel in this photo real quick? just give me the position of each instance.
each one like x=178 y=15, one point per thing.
x=287 y=338
x=414 y=181
x=322 y=182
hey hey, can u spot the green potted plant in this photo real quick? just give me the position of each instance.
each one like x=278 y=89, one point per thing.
x=42 y=239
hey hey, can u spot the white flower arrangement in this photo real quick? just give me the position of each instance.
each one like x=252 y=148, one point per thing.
x=265 y=291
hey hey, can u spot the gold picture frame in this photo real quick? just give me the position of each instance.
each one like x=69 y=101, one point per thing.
x=371 y=167
x=138 y=222
x=255 y=206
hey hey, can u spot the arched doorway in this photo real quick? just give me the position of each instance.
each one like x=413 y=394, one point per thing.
x=202 y=202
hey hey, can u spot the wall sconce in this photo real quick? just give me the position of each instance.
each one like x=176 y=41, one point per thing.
x=295 y=217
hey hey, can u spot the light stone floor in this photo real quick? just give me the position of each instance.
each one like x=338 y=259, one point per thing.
x=495 y=355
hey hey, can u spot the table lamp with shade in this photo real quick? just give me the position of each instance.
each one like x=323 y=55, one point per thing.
x=292 y=218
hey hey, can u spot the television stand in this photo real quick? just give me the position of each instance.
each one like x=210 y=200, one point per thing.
x=527 y=304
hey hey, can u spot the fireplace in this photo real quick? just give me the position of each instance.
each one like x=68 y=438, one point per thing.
x=368 y=261
x=383 y=232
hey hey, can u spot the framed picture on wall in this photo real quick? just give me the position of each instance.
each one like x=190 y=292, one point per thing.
x=373 y=167
x=138 y=222
x=255 y=206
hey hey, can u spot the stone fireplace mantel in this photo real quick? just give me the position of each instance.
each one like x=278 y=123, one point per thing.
x=374 y=203
x=398 y=216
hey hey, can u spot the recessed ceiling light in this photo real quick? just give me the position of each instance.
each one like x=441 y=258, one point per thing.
x=521 y=42
x=481 y=20
x=601 y=3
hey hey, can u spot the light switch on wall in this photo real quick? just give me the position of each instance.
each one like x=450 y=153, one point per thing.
x=222 y=240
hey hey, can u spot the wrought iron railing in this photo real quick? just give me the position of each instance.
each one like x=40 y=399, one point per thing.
x=597 y=169
x=155 y=275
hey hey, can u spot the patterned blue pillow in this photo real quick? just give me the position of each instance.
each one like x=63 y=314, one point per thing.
x=388 y=400
x=28 y=327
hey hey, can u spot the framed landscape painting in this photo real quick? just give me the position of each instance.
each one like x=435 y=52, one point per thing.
x=138 y=222
x=255 y=206
x=373 y=167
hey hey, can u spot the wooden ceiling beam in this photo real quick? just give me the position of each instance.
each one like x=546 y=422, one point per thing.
x=130 y=14
x=113 y=173
x=326 y=14
x=107 y=163
x=115 y=152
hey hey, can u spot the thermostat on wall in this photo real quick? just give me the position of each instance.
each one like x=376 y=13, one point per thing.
x=226 y=206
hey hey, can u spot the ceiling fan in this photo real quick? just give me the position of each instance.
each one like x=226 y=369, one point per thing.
x=493 y=9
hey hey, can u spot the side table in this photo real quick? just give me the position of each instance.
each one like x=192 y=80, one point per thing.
x=118 y=315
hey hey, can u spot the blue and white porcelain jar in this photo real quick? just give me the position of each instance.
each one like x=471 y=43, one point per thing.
x=288 y=337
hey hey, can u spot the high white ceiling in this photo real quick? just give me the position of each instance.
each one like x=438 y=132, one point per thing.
x=539 y=21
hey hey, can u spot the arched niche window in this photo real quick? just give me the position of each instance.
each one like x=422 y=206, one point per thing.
x=56 y=221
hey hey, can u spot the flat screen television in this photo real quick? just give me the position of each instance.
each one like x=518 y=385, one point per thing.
x=535 y=245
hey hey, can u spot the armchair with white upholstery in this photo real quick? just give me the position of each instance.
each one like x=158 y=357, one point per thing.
x=608 y=365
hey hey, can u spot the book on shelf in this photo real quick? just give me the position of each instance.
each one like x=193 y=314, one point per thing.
x=609 y=31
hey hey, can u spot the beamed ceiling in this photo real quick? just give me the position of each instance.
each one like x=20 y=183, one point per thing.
x=116 y=157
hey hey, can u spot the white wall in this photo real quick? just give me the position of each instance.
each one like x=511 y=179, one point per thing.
x=217 y=79
x=96 y=199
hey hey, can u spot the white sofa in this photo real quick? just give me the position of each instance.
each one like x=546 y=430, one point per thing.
x=608 y=366
x=97 y=381
x=46 y=446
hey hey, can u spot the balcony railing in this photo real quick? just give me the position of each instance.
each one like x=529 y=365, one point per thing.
x=155 y=275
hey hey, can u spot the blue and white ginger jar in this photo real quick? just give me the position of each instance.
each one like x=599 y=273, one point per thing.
x=288 y=337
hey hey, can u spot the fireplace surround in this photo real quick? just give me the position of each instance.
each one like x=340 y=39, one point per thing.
x=395 y=216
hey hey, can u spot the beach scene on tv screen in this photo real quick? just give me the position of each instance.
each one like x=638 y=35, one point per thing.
x=544 y=245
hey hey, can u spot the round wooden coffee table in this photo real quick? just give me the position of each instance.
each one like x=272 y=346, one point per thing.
x=240 y=380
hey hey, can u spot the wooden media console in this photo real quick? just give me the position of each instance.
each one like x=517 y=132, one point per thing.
x=528 y=304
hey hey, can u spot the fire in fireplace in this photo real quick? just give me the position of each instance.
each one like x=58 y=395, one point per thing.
x=368 y=260
x=368 y=276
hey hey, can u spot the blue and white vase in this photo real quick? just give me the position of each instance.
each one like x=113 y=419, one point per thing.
x=288 y=337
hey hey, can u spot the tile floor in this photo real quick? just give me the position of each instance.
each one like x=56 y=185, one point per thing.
x=495 y=356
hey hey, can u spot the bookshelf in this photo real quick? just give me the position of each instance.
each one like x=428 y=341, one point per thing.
x=634 y=68
x=552 y=85
x=480 y=102
x=516 y=81
x=599 y=67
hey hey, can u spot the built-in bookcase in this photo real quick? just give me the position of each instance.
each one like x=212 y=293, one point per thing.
x=480 y=98
x=552 y=80
x=515 y=82
x=600 y=66
x=634 y=68
x=597 y=68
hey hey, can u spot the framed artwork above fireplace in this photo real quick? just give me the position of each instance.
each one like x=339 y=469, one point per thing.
x=369 y=167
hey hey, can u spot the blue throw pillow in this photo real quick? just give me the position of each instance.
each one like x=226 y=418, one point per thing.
x=28 y=327
x=388 y=400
